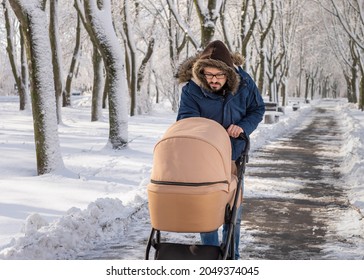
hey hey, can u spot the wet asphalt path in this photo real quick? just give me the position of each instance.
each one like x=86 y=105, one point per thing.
x=299 y=222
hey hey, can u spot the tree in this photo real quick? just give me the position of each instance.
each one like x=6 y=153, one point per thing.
x=289 y=14
x=350 y=15
x=33 y=19
x=208 y=16
x=20 y=75
x=281 y=40
x=183 y=24
x=177 y=41
x=56 y=56
x=99 y=95
x=98 y=23
x=135 y=73
x=66 y=100
x=247 y=27
x=265 y=25
x=98 y=86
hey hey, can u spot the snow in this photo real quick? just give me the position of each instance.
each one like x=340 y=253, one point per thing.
x=57 y=216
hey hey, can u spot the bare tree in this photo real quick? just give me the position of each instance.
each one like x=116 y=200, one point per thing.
x=135 y=72
x=177 y=41
x=289 y=13
x=351 y=11
x=71 y=72
x=99 y=95
x=20 y=75
x=265 y=25
x=99 y=25
x=247 y=26
x=98 y=86
x=208 y=16
x=56 y=56
x=350 y=15
x=186 y=28
x=33 y=20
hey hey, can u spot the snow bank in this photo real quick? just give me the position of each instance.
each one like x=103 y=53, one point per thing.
x=76 y=231
x=353 y=153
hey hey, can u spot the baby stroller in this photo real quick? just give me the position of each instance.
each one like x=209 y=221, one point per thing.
x=195 y=187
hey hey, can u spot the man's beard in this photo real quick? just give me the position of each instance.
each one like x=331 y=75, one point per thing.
x=215 y=89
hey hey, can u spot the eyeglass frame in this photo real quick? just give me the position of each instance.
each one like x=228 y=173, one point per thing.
x=218 y=76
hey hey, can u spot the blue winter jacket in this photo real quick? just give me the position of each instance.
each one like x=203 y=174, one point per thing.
x=244 y=108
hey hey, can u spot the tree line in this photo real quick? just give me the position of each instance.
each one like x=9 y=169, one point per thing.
x=292 y=48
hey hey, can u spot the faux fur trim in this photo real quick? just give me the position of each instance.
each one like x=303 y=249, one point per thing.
x=192 y=68
x=233 y=78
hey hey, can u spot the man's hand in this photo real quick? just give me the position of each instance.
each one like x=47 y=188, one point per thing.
x=234 y=131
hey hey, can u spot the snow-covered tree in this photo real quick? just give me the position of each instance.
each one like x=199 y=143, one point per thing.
x=20 y=73
x=34 y=22
x=290 y=47
x=208 y=15
x=56 y=55
x=98 y=96
x=135 y=40
x=66 y=94
x=350 y=15
x=183 y=23
x=98 y=18
x=267 y=14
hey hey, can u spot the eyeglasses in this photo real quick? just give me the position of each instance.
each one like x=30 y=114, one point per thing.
x=217 y=76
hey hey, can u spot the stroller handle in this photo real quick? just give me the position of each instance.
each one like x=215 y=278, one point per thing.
x=244 y=157
x=244 y=137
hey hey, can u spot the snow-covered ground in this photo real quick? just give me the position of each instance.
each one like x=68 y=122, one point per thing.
x=59 y=216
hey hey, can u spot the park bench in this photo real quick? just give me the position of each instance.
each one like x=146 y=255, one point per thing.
x=272 y=112
x=295 y=106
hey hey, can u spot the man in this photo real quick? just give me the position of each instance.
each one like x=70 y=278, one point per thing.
x=219 y=89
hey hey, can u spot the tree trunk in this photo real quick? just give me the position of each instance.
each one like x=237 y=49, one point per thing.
x=246 y=28
x=361 y=98
x=39 y=54
x=71 y=72
x=23 y=97
x=307 y=86
x=284 y=94
x=131 y=62
x=103 y=34
x=56 y=56
x=97 y=92
x=208 y=18
x=262 y=59
x=354 y=82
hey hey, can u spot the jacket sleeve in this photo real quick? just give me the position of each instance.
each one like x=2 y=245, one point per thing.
x=255 y=108
x=188 y=106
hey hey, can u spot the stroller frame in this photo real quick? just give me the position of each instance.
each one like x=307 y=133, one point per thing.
x=176 y=251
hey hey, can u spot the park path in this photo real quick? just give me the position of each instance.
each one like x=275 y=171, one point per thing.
x=301 y=222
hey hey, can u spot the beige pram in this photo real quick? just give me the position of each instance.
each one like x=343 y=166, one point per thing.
x=195 y=187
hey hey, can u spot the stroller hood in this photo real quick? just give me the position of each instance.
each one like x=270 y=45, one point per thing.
x=193 y=151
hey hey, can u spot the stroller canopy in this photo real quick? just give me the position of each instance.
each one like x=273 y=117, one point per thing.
x=193 y=151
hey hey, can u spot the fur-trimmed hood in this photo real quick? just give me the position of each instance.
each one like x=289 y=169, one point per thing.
x=215 y=55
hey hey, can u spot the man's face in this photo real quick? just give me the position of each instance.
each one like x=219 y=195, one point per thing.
x=215 y=77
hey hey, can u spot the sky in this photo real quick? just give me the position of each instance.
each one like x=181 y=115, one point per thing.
x=69 y=215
